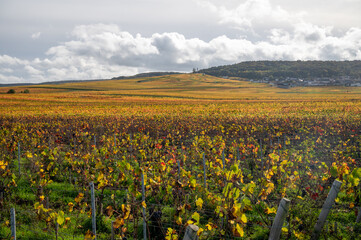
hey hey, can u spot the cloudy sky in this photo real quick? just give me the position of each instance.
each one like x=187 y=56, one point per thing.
x=49 y=40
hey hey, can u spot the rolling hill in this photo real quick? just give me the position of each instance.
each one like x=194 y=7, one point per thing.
x=187 y=86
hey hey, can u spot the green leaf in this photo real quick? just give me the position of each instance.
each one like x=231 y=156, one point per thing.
x=334 y=171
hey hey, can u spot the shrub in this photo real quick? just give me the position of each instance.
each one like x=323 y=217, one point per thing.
x=26 y=91
x=11 y=91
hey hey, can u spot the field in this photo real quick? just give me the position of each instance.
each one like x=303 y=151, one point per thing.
x=216 y=153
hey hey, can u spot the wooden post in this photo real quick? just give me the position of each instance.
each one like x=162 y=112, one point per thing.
x=13 y=223
x=19 y=153
x=279 y=219
x=326 y=209
x=204 y=171
x=358 y=219
x=144 y=216
x=94 y=221
x=191 y=233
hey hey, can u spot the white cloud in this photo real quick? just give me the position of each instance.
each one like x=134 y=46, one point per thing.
x=35 y=35
x=104 y=51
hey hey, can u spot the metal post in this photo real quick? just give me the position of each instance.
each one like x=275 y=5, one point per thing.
x=56 y=230
x=113 y=235
x=279 y=219
x=326 y=209
x=94 y=224
x=204 y=171
x=13 y=223
x=144 y=216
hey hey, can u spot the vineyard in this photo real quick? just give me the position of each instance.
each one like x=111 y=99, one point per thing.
x=159 y=164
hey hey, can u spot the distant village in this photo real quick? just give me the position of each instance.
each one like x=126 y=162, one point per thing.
x=289 y=82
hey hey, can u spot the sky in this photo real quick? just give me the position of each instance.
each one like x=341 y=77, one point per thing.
x=52 y=40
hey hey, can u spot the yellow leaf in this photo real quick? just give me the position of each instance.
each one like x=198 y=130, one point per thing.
x=199 y=203
x=244 y=218
x=270 y=210
x=239 y=230
x=179 y=221
x=60 y=219
x=284 y=229
x=209 y=227
x=144 y=204
x=190 y=222
x=352 y=205
x=200 y=230
x=118 y=222
x=71 y=205
x=79 y=197
x=41 y=198
x=196 y=217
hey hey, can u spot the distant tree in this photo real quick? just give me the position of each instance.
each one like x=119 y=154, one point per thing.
x=11 y=91
x=26 y=91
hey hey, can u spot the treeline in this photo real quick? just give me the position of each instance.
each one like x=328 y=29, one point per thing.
x=292 y=69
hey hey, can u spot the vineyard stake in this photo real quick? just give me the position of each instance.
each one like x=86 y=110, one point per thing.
x=112 y=237
x=279 y=219
x=358 y=219
x=143 y=199
x=56 y=230
x=204 y=171
x=19 y=152
x=326 y=209
x=238 y=155
x=94 y=223
x=13 y=223
x=178 y=162
x=223 y=159
x=191 y=232
x=115 y=141
x=261 y=156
